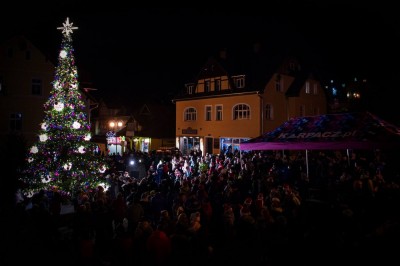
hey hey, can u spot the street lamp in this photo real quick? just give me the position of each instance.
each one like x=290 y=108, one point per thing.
x=117 y=126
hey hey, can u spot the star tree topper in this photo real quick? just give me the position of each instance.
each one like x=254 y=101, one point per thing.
x=67 y=27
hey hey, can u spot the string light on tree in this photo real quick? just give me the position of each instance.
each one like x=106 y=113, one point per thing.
x=88 y=137
x=81 y=149
x=68 y=166
x=63 y=54
x=76 y=125
x=59 y=106
x=43 y=137
x=34 y=149
x=69 y=162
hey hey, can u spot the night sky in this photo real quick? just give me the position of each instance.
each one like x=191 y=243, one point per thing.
x=129 y=51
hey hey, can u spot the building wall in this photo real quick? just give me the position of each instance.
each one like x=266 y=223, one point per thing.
x=227 y=127
x=284 y=104
x=314 y=103
x=17 y=69
x=285 y=107
x=278 y=100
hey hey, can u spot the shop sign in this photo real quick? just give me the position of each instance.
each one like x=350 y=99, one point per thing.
x=189 y=131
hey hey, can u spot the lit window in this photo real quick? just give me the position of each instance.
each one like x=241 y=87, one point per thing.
x=190 y=114
x=315 y=89
x=241 y=111
x=308 y=87
x=190 y=88
x=218 y=112
x=217 y=85
x=207 y=86
x=208 y=113
x=269 y=112
x=239 y=81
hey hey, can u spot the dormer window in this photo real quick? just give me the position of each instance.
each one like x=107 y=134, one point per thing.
x=315 y=89
x=207 y=86
x=308 y=87
x=239 y=81
x=217 y=85
x=190 y=88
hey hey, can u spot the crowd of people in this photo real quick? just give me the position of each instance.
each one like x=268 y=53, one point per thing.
x=237 y=208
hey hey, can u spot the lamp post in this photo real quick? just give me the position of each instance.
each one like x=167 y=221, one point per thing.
x=117 y=125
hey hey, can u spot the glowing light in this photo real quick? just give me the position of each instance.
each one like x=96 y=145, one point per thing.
x=102 y=169
x=34 y=149
x=68 y=166
x=46 y=179
x=105 y=186
x=43 y=137
x=63 y=54
x=88 y=137
x=76 y=125
x=81 y=149
x=67 y=28
x=59 y=106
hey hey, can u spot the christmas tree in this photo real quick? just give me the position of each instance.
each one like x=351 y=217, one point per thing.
x=64 y=158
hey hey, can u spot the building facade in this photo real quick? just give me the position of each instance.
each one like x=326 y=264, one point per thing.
x=25 y=84
x=223 y=108
x=120 y=127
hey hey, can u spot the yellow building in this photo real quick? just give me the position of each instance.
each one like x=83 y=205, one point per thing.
x=221 y=109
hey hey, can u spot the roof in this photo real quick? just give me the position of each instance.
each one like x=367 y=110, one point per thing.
x=258 y=65
x=361 y=130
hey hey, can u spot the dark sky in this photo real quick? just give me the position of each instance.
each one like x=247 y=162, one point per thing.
x=128 y=51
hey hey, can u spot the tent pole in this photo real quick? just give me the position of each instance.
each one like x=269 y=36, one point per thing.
x=240 y=151
x=307 y=162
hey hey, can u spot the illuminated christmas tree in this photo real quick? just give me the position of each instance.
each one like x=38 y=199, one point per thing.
x=64 y=158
